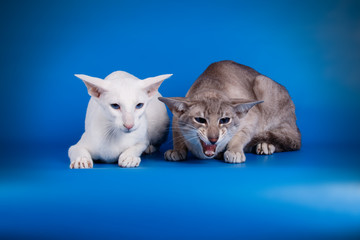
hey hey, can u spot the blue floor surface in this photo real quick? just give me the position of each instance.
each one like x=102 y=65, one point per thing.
x=310 y=194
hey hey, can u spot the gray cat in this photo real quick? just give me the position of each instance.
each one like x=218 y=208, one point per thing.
x=231 y=108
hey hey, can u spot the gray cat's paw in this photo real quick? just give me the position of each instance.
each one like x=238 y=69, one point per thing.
x=234 y=157
x=127 y=161
x=265 y=149
x=173 y=155
x=82 y=162
x=150 y=149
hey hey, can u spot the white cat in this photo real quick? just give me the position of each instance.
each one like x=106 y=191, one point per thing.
x=124 y=118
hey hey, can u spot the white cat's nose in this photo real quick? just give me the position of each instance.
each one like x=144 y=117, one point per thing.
x=128 y=126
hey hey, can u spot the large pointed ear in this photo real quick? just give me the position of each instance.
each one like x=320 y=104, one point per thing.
x=95 y=86
x=242 y=106
x=177 y=105
x=152 y=84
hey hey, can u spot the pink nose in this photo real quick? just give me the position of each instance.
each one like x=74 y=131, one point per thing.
x=129 y=126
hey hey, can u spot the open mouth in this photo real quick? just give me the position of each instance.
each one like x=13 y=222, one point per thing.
x=209 y=150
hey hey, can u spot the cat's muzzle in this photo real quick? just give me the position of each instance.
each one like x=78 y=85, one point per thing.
x=208 y=149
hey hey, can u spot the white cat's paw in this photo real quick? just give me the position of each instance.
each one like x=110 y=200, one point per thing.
x=82 y=162
x=234 y=157
x=265 y=149
x=150 y=149
x=128 y=161
x=173 y=155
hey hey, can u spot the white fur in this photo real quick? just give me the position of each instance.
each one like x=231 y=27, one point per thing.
x=106 y=135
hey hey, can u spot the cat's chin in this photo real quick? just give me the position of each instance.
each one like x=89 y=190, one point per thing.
x=128 y=130
x=208 y=150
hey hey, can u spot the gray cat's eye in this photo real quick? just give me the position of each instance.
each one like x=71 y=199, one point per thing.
x=115 y=106
x=139 y=105
x=224 y=120
x=200 y=120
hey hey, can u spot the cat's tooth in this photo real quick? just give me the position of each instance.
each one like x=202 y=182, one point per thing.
x=209 y=153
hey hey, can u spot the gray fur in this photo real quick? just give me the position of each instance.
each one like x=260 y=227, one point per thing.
x=261 y=111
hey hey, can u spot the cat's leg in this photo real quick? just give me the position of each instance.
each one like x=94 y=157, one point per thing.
x=279 y=112
x=265 y=148
x=235 y=148
x=150 y=149
x=157 y=139
x=158 y=124
x=180 y=151
x=285 y=138
x=131 y=156
x=281 y=139
x=80 y=157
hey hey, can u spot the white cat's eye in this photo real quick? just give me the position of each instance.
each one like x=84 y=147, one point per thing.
x=224 y=120
x=139 y=105
x=115 y=106
x=200 y=120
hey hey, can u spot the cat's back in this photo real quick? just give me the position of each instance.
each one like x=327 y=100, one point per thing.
x=228 y=68
x=225 y=76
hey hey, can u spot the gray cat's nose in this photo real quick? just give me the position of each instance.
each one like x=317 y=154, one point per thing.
x=213 y=140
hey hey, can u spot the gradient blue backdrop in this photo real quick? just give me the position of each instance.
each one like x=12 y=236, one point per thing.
x=311 y=47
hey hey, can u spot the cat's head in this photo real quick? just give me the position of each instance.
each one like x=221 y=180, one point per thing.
x=208 y=125
x=123 y=97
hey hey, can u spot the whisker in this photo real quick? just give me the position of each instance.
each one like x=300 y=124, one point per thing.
x=184 y=139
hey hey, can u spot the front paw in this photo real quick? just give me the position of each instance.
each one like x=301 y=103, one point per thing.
x=174 y=155
x=127 y=161
x=82 y=162
x=234 y=157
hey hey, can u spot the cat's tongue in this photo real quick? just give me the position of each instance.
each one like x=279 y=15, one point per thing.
x=209 y=150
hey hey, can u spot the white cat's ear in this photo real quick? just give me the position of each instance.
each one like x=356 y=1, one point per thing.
x=242 y=106
x=177 y=105
x=152 y=84
x=95 y=86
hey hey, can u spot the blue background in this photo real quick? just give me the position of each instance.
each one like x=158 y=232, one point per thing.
x=311 y=47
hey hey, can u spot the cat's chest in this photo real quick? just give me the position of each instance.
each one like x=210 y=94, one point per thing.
x=109 y=150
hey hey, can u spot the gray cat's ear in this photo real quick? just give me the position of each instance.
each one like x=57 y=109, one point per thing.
x=95 y=86
x=152 y=84
x=177 y=105
x=242 y=106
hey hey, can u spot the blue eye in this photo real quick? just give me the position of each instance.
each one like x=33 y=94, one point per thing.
x=224 y=120
x=115 y=106
x=200 y=120
x=139 y=105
